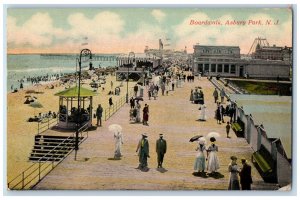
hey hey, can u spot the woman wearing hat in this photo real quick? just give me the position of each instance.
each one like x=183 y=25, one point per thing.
x=212 y=158
x=199 y=165
x=234 y=171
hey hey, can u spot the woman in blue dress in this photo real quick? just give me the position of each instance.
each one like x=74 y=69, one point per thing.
x=199 y=165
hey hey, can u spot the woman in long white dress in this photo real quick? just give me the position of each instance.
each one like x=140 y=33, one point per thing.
x=199 y=165
x=203 y=116
x=118 y=143
x=212 y=158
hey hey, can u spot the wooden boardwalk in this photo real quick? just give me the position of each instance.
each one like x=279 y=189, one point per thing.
x=174 y=116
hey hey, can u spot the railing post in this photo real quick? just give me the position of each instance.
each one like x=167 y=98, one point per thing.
x=23 y=180
x=48 y=122
x=38 y=127
x=39 y=170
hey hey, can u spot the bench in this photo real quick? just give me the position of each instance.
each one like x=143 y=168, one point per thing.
x=265 y=164
x=261 y=162
x=236 y=127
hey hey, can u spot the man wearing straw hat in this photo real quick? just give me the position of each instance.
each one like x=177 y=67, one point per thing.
x=143 y=152
x=161 y=149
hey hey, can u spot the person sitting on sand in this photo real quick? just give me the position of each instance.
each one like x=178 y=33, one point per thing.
x=27 y=101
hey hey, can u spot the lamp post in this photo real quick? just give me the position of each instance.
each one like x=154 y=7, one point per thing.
x=83 y=53
x=129 y=64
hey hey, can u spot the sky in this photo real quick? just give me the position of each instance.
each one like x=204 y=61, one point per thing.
x=121 y=30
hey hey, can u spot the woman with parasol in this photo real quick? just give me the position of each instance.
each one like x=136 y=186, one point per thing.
x=199 y=164
x=212 y=158
x=118 y=137
x=118 y=143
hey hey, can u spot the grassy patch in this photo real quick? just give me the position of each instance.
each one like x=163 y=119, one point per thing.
x=264 y=88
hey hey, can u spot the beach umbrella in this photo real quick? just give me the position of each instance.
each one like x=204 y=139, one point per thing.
x=114 y=128
x=38 y=85
x=27 y=96
x=195 y=138
x=213 y=134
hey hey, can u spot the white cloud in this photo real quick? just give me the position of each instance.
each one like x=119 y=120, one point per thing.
x=37 y=31
x=105 y=32
x=158 y=15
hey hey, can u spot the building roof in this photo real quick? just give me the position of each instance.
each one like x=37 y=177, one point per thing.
x=73 y=92
x=200 y=45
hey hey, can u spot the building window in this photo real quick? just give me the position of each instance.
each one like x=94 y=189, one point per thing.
x=219 y=68
x=232 y=69
x=200 y=67
x=226 y=68
x=213 y=67
x=206 y=67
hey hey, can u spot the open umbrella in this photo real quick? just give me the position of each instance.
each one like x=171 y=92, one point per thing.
x=38 y=85
x=139 y=99
x=27 y=96
x=213 y=134
x=114 y=128
x=195 y=138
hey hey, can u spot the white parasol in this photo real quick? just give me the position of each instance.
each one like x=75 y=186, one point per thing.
x=114 y=128
x=213 y=134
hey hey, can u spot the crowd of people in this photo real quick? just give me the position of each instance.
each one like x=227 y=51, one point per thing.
x=42 y=116
x=73 y=114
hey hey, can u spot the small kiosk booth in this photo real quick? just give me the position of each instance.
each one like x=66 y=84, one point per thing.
x=68 y=107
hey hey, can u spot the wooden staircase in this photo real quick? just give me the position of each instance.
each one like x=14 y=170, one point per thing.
x=52 y=148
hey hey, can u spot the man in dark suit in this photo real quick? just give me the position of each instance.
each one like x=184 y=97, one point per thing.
x=161 y=149
x=245 y=175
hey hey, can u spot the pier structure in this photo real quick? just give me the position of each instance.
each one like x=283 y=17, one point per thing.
x=109 y=58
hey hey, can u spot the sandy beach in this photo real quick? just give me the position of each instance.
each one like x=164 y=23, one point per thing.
x=20 y=133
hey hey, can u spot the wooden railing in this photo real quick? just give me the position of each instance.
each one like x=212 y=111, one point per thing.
x=38 y=170
x=46 y=123
x=108 y=112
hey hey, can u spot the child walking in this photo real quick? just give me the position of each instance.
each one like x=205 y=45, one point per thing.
x=227 y=129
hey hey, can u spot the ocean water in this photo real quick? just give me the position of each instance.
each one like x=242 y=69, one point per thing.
x=33 y=65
